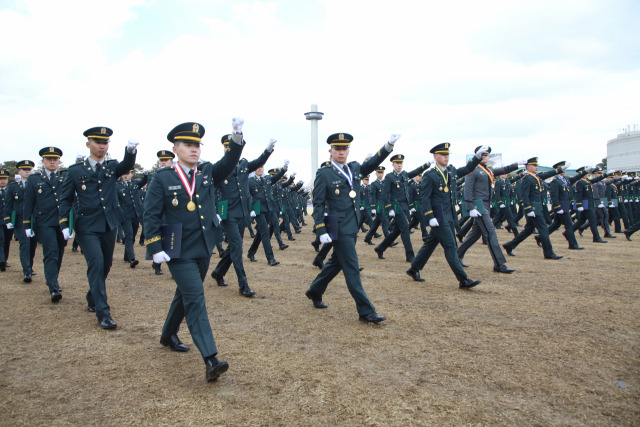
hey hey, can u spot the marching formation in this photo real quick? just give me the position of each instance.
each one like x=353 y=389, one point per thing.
x=188 y=209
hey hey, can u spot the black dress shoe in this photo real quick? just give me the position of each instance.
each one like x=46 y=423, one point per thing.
x=318 y=263
x=600 y=241
x=133 y=263
x=219 y=280
x=246 y=292
x=627 y=235
x=6 y=264
x=380 y=253
x=368 y=242
x=283 y=247
x=376 y=235
x=317 y=301
x=273 y=262
x=372 y=318
x=610 y=236
x=415 y=275
x=577 y=247
x=554 y=256
x=291 y=238
x=253 y=235
x=580 y=230
x=509 y=250
x=91 y=308
x=3 y=266
x=538 y=241
x=252 y=258
x=459 y=237
x=503 y=269
x=27 y=278
x=393 y=244
x=360 y=268
x=316 y=245
x=174 y=343
x=156 y=268
x=298 y=231
x=74 y=249
x=409 y=258
x=107 y=323
x=214 y=368
x=463 y=264
x=468 y=283
x=56 y=296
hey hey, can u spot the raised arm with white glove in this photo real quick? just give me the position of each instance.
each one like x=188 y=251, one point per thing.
x=272 y=143
x=131 y=146
x=392 y=141
x=481 y=150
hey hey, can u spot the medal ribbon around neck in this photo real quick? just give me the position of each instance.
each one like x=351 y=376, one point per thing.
x=349 y=176
x=446 y=178
x=537 y=179
x=489 y=172
x=190 y=189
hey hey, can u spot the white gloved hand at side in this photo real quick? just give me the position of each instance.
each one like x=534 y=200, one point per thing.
x=580 y=209
x=474 y=213
x=324 y=238
x=412 y=210
x=392 y=213
x=9 y=226
x=434 y=222
x=161 y=257
x=252 y=214
x=66 y=234
x=560 y=211
x=373 y=211
x=532 y=214
x=29 y=232
x=502 y=205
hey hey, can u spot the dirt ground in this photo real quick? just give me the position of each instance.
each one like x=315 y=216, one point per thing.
x=556 y=343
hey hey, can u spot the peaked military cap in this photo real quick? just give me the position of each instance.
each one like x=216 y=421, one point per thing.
x=559 y=164
x=283 y=179
x=533 y=161
x=165 y=155
x=226 y=139
x=441 y=148
x=596 y=170
x=99 y=132
x=488 y=150
x=273 y=171
x=188 y=132
x=25 y=164
x=380 y=169
x=365 y=177
x=50 y=152
x=4 y=173
x=340 y=139
x=398 y=158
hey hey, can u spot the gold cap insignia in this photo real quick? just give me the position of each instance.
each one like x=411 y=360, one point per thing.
x=196 y=128
x=446 y=145
x=51 y=149
x=103 y=131
x=341 y=137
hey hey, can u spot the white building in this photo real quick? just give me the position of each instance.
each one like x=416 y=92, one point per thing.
x=623 y=152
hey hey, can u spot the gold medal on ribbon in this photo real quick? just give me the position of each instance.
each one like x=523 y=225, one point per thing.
x=191 y=206
x=352 y=194
x=174 y=202
x=337 y=191
x=446 y=189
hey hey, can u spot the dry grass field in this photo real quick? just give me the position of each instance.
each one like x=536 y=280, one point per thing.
x=556 y=343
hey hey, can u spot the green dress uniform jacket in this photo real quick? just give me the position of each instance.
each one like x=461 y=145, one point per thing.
x=15 y=208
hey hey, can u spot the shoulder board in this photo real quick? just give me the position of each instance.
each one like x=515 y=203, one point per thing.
x=37 y=174
x=164 y=169
x=75 y=165
x=110 y=161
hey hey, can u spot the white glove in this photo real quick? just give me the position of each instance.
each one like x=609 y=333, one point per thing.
x=566 y=166
x=626 y=201
x=502 y=205
x=325 y=238
x=219 y=219
x=29 y=232
x=588 y=168
x=131 y=145
x=392 y=213
x=286 y=163
x=601 y=205
x=522 y=162
x=393 y=138
x=161 y=257
x=9 y=226
x=272 y=143
x=361 y=208
x=580 y=209
x=412 y=210
x=433 y=222
x=474 y=213
x=532 y=214
x=17 y=178
x=560 y=211
x=237 y=124
x=252 y=214
x=293 y=175
x=373 y=211
x=481 y=150
x=610 y=171
x=67 y=234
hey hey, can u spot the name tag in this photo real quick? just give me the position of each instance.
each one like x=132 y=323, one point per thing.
x=174 y=187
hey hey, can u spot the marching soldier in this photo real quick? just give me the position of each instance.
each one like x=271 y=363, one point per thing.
x=6 y=233
x=14 y=217
x=479 y=186
x=41 y=204
x=186 y=194
x=262 y=194
x=585 y=204
x=531 y=192
x=234 y=190
x=395 y=191
x=375 y=193
x=438 y=206
x=336 y=193
x=131 y=204
x=560 y=190
x=98 y=214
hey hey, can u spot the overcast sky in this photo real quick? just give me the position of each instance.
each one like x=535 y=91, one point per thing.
x=554 y=79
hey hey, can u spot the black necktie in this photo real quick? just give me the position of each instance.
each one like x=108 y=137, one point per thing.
x=52 y=176
x=191 y=176
x=98 y=167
